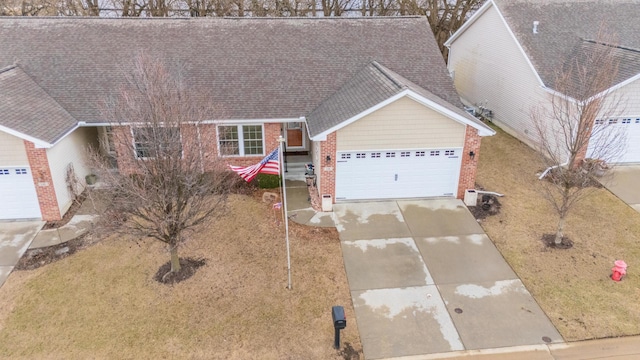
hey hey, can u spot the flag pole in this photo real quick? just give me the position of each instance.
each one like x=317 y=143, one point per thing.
x=284 y=205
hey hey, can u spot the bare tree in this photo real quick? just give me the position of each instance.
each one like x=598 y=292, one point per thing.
x=165 y=185
x=580 y=121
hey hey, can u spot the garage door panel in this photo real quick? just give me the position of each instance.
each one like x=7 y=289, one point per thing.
x=18 y=194
x=397 y=174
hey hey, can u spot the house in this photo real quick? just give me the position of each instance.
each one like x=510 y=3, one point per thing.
x=506 y=57
x=369 y=99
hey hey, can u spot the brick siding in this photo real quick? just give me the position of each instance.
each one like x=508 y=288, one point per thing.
x=469 y=166
x=43 y=181
x=328 y=169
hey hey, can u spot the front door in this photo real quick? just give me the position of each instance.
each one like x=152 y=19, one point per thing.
x=295 y=138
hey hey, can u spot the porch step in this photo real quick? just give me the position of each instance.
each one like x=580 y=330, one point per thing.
x=295 y=171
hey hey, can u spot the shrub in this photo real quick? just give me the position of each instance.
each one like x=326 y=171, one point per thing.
x=267 y=181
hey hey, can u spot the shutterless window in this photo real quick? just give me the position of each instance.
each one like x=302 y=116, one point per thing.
x=152 y=142
x=242 y=140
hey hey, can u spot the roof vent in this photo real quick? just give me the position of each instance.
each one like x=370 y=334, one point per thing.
x=535 y=26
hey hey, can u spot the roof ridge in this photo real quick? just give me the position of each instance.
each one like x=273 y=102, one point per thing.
x=7 y=68
x=383 y=71
x=611 y=45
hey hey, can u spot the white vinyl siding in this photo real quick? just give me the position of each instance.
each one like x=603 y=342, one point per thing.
x=404 y=123
x=70 y=150
x=491 y=70
x=12 y=151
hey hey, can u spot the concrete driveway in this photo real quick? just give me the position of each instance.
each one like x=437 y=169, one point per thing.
x=425 y=279
x=15 y=238
x=623 y=182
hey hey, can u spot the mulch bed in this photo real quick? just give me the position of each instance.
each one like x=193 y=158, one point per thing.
x=188 y=267
x=69 y=214
x=35 y=258
x=549 y=241
x=487 y=205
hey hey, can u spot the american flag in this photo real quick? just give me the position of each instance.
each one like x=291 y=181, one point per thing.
x=268 y=165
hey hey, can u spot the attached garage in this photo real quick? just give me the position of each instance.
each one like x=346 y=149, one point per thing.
x=18 y=194
x=397 y=174
x=631 y=154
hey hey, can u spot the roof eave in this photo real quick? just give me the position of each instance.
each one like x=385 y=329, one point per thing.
x=468 y=23
x=483 y=130
x=39 y=143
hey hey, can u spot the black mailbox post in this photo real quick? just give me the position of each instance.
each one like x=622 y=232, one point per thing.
x=339 y=323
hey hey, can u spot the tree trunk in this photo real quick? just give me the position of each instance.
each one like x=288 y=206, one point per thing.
x=559 y=232
x=175 y=260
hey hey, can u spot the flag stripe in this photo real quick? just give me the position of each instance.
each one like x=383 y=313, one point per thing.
x=268 y=165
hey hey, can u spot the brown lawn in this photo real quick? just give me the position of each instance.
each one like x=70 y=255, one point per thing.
x=103 y=303
x=572 y=286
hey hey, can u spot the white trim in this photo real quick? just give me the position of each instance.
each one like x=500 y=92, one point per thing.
x=240 y=140
x=616 y=87
x=513 y=36
x=37 y=142
x=468 y=23
x=479 y=13
x=482 y=130
x=203 y=122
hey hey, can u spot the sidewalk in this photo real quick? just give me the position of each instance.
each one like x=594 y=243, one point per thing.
x=624 y=348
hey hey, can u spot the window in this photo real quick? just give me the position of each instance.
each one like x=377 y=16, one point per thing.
x=21 y=171
x=242 y=140
x=405 y=154
x=4 y=171
x=390 y=155
x=449 y=152
x=375 y=155
x=638 y=121
x=419 y=153
x=613 y=121
x=150 y=142
x=626 y=121
x=434 y=153
x=361 y=155
x=107 y=140
x=599 y=121
x=345 y=156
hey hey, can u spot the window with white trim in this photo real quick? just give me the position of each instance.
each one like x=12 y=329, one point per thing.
x=345 y=156
x=4 y=171
x=150 y=142
x=361 y=156
x=434 y=153
x=599 y=121
x=241 y=140
x=405 y=153
x=375 y=155
x=613 y=121
x=449 y=152
x=420 y=153
x=626 y=121
x=390 y=155
x=21 y=171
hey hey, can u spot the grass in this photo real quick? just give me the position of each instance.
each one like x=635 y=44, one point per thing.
x=102 y=302
x=572 y=286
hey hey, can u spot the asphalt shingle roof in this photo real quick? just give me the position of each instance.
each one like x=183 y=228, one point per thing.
x=565 y=26
x=255 y=68
x=367 y=88
x=24 y=105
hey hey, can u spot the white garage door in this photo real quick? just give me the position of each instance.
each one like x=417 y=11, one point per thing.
x=18 y=199
x=630 y=126
x=397 y=174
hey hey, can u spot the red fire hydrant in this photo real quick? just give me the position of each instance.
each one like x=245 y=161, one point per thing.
x=619 y=270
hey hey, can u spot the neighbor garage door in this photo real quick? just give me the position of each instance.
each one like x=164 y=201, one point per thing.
x=630 y=127
x=18 y=194
x=397 y=174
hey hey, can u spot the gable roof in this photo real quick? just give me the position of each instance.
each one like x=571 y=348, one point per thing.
x=23 y=105
x=253 y=68
x=371 y=88
x=566 y=30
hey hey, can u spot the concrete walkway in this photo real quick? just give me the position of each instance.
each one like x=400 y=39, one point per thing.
x=299 y=206
x=15 y=238
x=425 y=279
x=623 y=182
x=18 y=236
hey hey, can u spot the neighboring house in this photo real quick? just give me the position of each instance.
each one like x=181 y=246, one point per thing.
x=506 y=57
x=370 y=99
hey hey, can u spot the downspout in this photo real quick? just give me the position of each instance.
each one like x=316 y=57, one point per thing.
x=544 y=173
